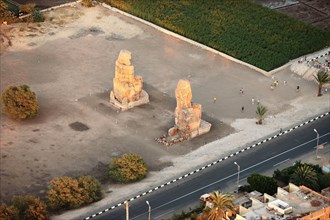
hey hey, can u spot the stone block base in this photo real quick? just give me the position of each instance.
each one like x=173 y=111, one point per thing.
x=176 y=136
x=144 y=99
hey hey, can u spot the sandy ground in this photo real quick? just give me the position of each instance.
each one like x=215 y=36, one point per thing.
x=69 y=62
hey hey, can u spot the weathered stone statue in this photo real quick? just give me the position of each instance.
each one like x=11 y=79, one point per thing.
x=188 y=122
x=127 y=89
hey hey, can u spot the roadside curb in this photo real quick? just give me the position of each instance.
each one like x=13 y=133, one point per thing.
x=209 y=165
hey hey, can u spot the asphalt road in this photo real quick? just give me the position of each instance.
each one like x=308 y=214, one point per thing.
x=223 y=176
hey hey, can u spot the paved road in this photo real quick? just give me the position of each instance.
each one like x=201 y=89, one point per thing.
x=223 y=176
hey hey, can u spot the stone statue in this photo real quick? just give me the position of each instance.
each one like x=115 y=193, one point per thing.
x=127 y=89
x=188 y=122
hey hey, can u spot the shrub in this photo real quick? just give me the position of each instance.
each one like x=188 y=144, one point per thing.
x=324 y=180
x=20 y=102
x=8 y=12
x=37 y=16
x=24 y=208
x=69 y=192
x=263 y=184
x=286 y=174
x=87 y=3
x=92 y=188
x=8 y=212
x=27 y=8
x=246 y=188
x=127 y=168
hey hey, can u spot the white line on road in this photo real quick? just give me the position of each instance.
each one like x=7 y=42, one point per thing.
x=164 y=213
x=281 y=162
x=257 y=164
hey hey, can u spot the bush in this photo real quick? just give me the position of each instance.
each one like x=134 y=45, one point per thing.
x=30 y=207
x=324 y=180
x=263 y=184
x=37 y=16
x=20 y=102
x=66 y=192
x=92 y=188
x=87 y=3
x=8 y=12
x=242 y=29
x=27 y=8
x=128 y=168
x=245 y=188
x=286 y=174
x=24 y=208
x=8 y=212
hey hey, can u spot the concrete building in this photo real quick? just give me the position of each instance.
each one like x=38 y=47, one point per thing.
x=290 y=202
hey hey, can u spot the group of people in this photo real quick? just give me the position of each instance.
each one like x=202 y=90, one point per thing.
x=320 y=64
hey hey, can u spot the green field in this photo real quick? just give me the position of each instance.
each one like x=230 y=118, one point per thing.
x=240 y=28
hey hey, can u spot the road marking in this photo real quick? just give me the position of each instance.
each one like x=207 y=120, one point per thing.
x=281 y=162
x=166 y=184
x=248 y=168
x=164 y=213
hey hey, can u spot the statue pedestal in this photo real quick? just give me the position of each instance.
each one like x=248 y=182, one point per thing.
x=174 y=133
x=144 y=99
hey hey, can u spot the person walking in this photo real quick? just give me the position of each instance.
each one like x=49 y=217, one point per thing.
x=242 y=109
x=298 y=88
x=252 y=101
x=214 y=99
x=241 y=91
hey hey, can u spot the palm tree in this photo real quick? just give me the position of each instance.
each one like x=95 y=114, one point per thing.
x=261 y=111
x=305 y=175
x=219 y=205
x=322 y=77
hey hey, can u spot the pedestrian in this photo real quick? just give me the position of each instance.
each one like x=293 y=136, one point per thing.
x=258 y=102
x=280 y=130
x=214 y=99
x=271 y=87
x=285 y=82
x=273 y=77
x=252 y=101
x=298 y=87
x=242 y=108
x=241 y=91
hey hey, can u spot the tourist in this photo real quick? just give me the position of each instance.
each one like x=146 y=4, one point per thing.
x=298 y=87
x=242 y=108
x=252 y=101
x=241 y=91
x=214 y=99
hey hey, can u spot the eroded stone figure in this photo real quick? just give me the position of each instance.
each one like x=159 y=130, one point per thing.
x=127 y=88
x=188 y=122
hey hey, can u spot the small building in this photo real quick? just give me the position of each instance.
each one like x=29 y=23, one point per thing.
x=290 y=202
